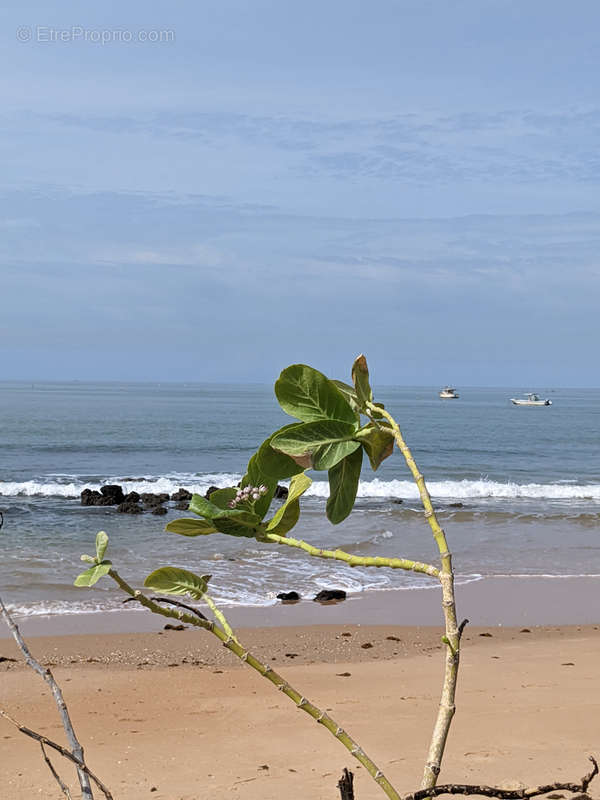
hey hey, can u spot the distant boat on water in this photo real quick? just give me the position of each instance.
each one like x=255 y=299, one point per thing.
x=448 y=393
x=531 y=399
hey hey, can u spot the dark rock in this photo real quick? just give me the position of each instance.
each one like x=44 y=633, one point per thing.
x=109 y=500
x=181 y=494
x=132 y=497
x=397 y=501
x=90 y=497
x=456 y=505
x=289 y=597
x=169 y=627
x=329 y=595
x=159 y=510
x=129 y=508
x=113 y=491
x=281 y=492
x=149 y=499
x=184 y=506
x=367 y=645
x=210 y=490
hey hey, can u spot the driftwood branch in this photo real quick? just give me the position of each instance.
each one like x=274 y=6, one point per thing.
x=44 y=741
x=63 y=786
x=507 y=794
x=76 y=748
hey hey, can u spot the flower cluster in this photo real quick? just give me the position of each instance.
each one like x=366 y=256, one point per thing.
x=249 y=494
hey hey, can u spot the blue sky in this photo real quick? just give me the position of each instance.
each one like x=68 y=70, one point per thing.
x=281 y=182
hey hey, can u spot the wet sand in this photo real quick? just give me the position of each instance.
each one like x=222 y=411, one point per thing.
x=496 y=601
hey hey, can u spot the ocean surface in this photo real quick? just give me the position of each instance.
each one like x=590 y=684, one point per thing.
x=517 y=489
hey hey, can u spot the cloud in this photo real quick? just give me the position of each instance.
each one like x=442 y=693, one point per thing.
x=521 y=146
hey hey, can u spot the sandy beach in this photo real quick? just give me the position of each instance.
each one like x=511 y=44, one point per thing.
x=172 y=715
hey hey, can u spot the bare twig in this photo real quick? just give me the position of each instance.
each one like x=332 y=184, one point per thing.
x=507 y=794
x=63 y=786
x=76 y=748
x=59 y=749
x=177 y=603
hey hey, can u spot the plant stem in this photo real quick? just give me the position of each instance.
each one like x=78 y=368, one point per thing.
x=354 y=561
x=452 y=638
x=265 y=670
x=219 y=616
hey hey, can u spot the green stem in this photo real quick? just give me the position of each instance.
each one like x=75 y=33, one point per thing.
x=265 y=670
x=447 y=701
x=354 y=561
x=219 y=616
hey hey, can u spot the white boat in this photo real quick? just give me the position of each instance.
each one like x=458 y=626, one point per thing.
x=448 y=393
x=531 y=399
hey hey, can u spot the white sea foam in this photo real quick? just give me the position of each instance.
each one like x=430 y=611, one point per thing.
x=70 y=487
x=73 y=488
x=467 y=489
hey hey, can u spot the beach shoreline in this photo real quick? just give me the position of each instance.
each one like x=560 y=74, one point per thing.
x=497 y=601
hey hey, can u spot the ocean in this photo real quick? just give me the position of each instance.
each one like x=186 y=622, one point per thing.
x=517 y=490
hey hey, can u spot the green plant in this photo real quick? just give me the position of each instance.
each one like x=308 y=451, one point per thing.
x=336 y=425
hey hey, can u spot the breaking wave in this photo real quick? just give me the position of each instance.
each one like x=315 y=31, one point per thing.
x=72 y=486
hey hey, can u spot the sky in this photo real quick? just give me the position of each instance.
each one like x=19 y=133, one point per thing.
x=212 y=191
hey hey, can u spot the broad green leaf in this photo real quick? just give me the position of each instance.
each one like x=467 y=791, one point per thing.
x=93 y=574
x=343 y=485
x=329 y=455
x=238 y=526
x=360 y=378
x=378 y=442
x=221 y=497
x=349 y=393
x=273 y=463
x=256 y=477
x=188 y=526
x=317 y=439
x=285 y=519
x=307 y=394
x=101 y=545
x=172 y=580
x=287 y=516
x=204 y=508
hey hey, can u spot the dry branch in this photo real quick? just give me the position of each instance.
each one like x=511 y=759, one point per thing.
x=43 y=740
x=507 y=794
x=76 y=748
x=63 y=786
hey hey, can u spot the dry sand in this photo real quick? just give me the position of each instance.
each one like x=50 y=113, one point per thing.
x=173 y=716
